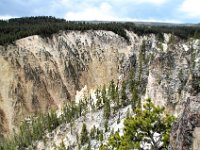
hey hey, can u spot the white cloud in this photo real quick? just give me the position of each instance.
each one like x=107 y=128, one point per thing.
x=103 y=12
x=191 y=8
x=156 y=2
x=6 y=17
x=88 y=9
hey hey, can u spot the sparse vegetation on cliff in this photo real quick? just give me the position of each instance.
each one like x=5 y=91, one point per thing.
x=139 y=128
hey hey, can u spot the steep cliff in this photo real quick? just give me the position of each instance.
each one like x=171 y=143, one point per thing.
x=38 y=73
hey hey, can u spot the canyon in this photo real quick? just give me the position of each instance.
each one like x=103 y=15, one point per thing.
x=38 y=73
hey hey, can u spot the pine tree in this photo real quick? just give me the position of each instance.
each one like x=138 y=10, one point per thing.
x=111 y=91
x=84 y=135
x=132 y=79
x=133 y=87
x=114 y=96
x=101 y=136
x=98 y=134
x=52 y=120
x=106 y=125
x=106 y=109
x=146 y=123
x=118 y=119
x=93 y=132
x=114 y=140
x=124 y=98
x=142 y=127
x=99 y=99
x=104 y=94
x=135 y=100
x=80 y=109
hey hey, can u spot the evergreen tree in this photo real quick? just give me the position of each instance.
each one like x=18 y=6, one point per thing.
x=104 y=94
x=135 y=100
x=106 y=101
x=118 y=119
x=106 y=109
x=97 y=134
x=101 y=136
x=111 y=91
x=124 y=98
x=80 y=108
x=143 y=126
x=133 y=87
x=93 y=132
x=84 y=135
x=114 y=140
x=160 y=37
x=99 y=99
x=114 y=96
x=106 y=125
x=132 y=82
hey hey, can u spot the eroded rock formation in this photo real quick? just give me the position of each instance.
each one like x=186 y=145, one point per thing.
x=38 y=73
x=185 y=132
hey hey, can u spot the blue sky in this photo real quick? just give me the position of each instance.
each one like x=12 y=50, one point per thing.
x=176 y=11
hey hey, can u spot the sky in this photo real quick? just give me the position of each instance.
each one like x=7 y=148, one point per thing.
x=172 y=11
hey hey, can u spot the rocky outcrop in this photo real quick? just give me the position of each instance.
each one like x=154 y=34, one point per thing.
x=174 y=75
x=185 y=132
x=38 y=73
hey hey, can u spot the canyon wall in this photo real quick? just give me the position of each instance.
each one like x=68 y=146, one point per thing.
x=38 y=73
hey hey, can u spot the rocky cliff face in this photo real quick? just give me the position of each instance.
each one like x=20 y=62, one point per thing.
x=185 y=132
x=38 y=73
